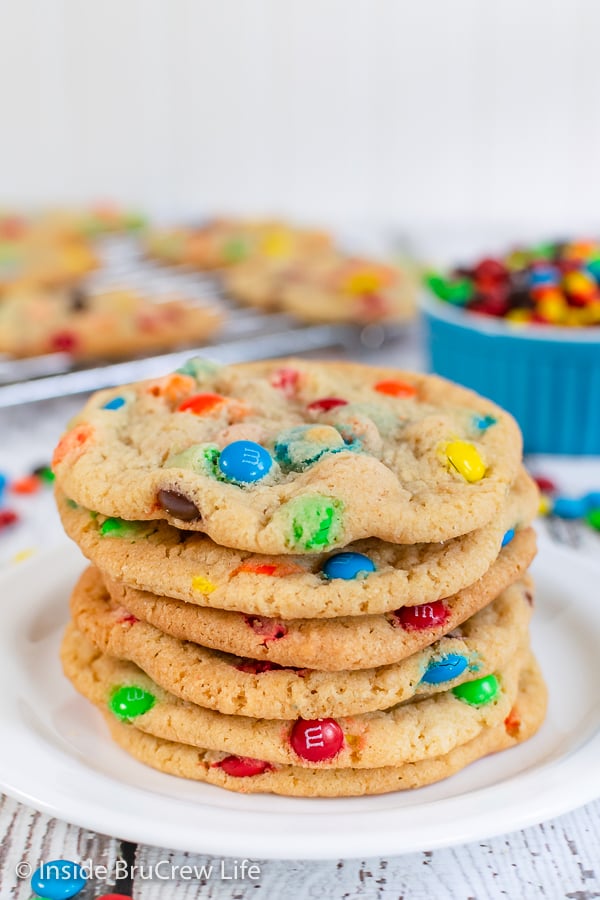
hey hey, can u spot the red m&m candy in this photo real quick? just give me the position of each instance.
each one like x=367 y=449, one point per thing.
x=7 y=517
x=426 y=615
x=317 y=739
x=326 y=403
x=268 y=629
x=244 y=766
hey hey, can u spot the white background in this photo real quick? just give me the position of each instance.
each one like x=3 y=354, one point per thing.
x=411 y=113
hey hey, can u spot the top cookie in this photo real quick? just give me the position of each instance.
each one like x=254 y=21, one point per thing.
x=292 y=456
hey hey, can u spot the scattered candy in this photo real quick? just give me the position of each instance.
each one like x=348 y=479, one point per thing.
x=7 y=517
x=130 y=701
x=3 y=483
x=569 y=508
x=479 y=692
x=22 y=555
x=243 y=766
x=465 y=458
x=178 y=505
x=445 y=669
x=508 y=536
x=347 y=565
x=545 y=505
x=593 y=518
x=203 y=585
x=396 y=389
x=245 y=462
x=115 y=403
x=58 y=879
x=45 y=474
x=423 y=616
x=317 y=739
x=545 y=485
x=30 y=484
x=547 y=284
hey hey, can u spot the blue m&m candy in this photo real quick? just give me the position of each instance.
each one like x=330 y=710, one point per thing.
x=58 y=879
x=569 y=508
x=347 y=565
x=245 y=461
x=3 y=483
x=484 y=422
x=591 y=500
x=115 y=403
x=508 y=536
x=445 y=669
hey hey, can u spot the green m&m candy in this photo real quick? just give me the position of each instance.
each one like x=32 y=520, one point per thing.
x=479 y=692
x=129 y=701
x=316 y=522
x=120 y=528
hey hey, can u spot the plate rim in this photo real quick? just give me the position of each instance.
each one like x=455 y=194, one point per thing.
x=268 y=840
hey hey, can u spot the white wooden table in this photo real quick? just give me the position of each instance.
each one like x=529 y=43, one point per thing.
x=557 y=859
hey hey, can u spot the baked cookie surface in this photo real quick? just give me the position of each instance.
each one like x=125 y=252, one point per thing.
x=258 y=776
x=293 y=456
x=243 y=686
x=408 y=732
x=347 y=642
x=368 y=577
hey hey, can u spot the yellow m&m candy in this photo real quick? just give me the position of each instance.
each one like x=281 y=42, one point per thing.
x=465 y=458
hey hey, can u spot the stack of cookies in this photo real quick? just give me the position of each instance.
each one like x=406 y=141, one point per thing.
x=307 y=578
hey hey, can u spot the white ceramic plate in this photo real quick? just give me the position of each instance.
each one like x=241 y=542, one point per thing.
x=55 y=754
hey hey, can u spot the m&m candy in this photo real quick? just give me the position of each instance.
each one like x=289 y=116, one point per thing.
x=423 y=616
x=245 y=462
x=317 y=739
x=244 y=766
x=130 y=701
x=508 y=536
x=58 y=879
x=347 y=565
x=478 y=692
x=465 y=458
x=115 y=403
x=556 y=283
x=445 y=669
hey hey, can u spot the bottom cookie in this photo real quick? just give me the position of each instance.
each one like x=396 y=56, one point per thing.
x=255 y=776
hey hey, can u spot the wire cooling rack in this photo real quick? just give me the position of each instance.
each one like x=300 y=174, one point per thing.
x=247 y=334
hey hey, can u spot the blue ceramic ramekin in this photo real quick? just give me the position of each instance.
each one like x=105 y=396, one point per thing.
x=548 y=377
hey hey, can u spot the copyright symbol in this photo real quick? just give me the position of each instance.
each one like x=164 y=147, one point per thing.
x=23 y=870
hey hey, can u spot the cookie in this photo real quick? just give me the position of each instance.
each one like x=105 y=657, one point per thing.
x=103 y=325
x=347 y=642
x=242 y=686
x=350 y=290
x=409 y=732
x=225 y=242
x=271 y=457
x=258 y=776
x=35 y=254
x=325 y=287
x=368 y=577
